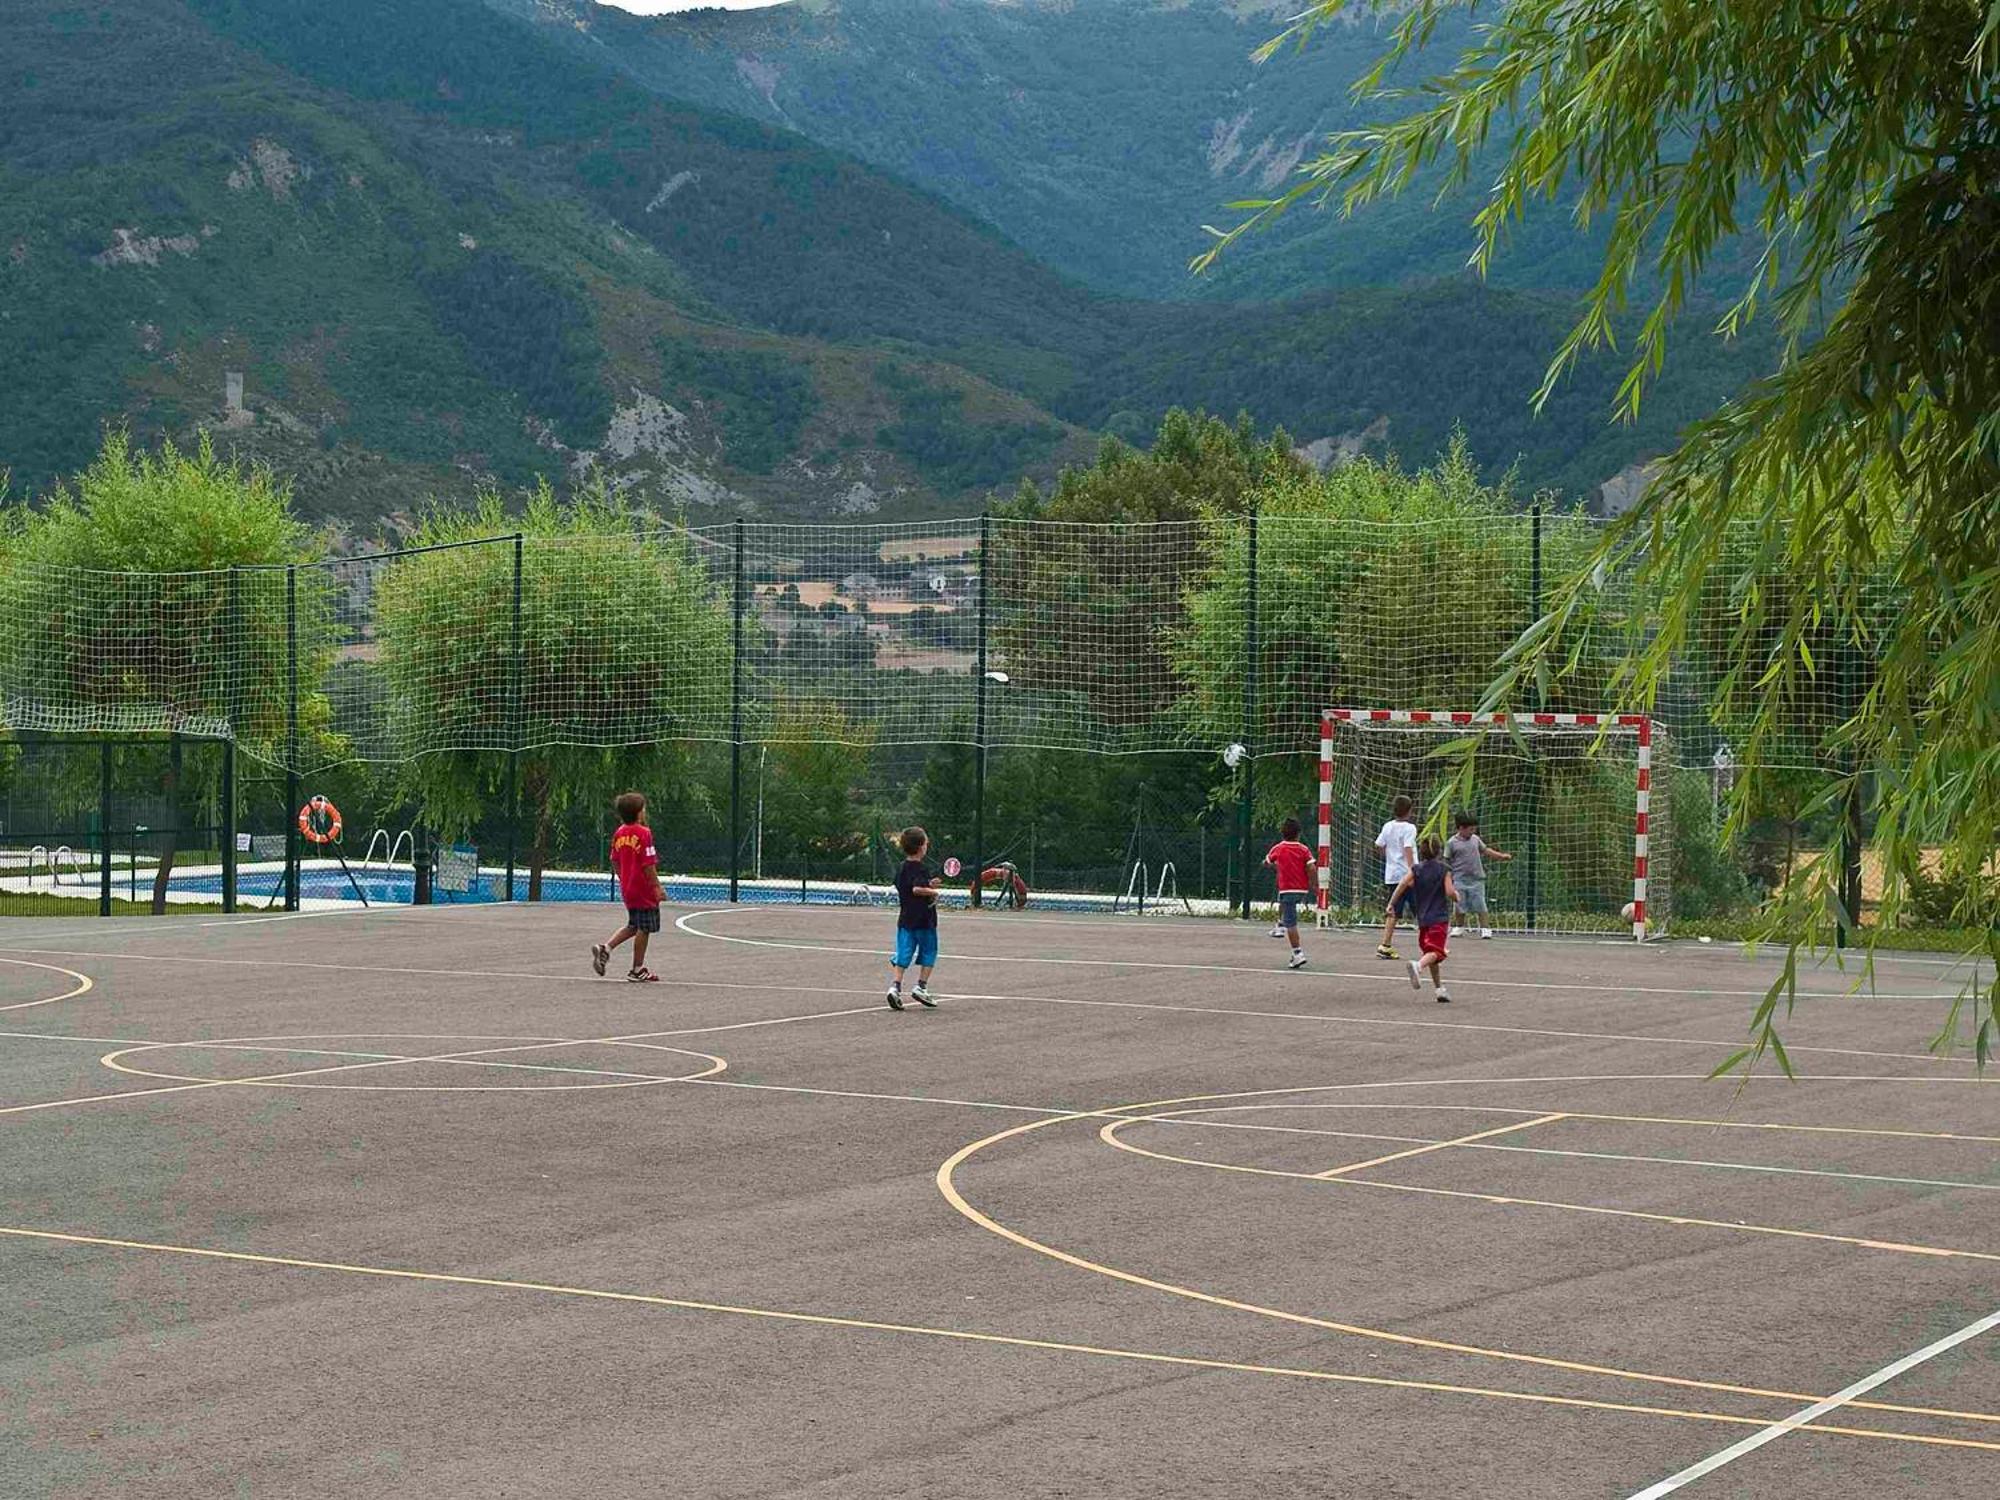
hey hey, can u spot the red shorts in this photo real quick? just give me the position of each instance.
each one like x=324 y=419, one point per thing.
x=1431 y=939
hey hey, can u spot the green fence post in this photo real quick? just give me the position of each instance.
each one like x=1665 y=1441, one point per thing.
x=1534 y=850
x=292 y=797
x=104 y=829
x=979 y=718
x=1246 y=812
x=228 y=832
x=514 y=728
x=736 y=713
x=231 y=616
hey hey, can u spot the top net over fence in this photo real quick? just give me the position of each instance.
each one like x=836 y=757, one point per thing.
x=1115 y=639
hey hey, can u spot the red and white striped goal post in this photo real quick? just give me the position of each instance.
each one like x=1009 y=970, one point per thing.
x=1637 y=725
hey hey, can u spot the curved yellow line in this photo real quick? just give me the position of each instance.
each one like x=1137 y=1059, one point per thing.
x=870 y=1325
x=83 y=984
x=946 y=1185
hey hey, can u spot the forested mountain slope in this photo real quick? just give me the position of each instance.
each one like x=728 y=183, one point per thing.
x=1099 y=135
x=442 y=246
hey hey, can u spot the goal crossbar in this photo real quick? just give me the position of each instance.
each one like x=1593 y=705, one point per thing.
x=1638 y=726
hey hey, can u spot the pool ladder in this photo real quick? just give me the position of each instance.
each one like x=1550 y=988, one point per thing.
x=390 y=848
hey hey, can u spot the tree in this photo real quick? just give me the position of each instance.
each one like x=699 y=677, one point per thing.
x=624 y=662
x=127 y=611
x=1853 y=148
x=1376 y=587
x=1084 y=611
x=812 y=809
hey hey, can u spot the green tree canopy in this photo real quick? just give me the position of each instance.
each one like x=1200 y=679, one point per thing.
x=1855 y=146
x=148 y=598
x=623 y=662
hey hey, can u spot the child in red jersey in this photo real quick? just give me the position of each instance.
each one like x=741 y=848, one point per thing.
x=1292 y=860
x=638 y=867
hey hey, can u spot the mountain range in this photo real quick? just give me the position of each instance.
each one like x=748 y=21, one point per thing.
x=404 y=247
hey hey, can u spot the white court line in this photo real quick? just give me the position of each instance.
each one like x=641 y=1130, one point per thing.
x=1327 y=1020
x=1664 y=1161
x=1267 y=969
x=1818 y=1409
x=529 y=1044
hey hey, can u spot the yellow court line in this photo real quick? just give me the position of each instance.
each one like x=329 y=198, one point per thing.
x=83 y=984
x=830 y=1320
x=948 y=1187
x=1109 y=1135
x=1423 y=1150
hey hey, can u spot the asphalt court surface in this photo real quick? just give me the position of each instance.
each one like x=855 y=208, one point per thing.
x=412 y=1203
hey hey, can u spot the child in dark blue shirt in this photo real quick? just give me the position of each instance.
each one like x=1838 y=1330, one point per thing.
x=916 y=920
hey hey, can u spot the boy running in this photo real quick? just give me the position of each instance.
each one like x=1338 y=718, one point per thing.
x=1397 y=843
x=1291 y=860
x=1430 y=894
x=638 y=867
x=1463 y=853
x=916 y=920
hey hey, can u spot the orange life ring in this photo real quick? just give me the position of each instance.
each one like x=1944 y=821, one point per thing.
x=319 y=822
x=1016 y=889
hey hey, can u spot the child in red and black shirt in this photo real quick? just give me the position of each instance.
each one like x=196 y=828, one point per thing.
x=638 y=865
x=1293 y=862
x=1431 y=893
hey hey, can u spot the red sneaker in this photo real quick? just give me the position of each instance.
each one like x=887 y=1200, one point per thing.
x=642 y=976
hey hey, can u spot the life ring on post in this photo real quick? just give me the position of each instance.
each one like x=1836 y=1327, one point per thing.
x=319 y=822
x=1013 y=890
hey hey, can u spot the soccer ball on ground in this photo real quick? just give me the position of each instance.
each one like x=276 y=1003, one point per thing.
x=1628 y=910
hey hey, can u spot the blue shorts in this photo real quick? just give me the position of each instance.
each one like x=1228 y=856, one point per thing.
x=1401 y=903
x=918 y=946
x=1288 y=907
x=643 y=918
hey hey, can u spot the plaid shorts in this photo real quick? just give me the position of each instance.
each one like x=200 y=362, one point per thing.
x=643 y=918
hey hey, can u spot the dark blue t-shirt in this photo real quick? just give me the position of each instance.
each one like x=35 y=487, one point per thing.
x=1427 y=902
x=915 y=913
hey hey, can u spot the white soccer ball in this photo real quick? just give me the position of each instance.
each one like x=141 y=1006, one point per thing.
x=1628 y=910
x=1233 y=756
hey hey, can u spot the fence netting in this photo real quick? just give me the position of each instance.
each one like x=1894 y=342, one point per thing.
x=1050 y=696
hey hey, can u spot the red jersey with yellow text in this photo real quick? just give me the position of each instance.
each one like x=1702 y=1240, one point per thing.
x=633 y=857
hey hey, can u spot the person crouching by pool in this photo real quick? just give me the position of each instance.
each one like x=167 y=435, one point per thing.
x=916 y=920
x=1430 y=893
x=1292 y=860
x=638 y=865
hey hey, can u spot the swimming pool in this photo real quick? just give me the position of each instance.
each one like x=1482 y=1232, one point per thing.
x=258 y=884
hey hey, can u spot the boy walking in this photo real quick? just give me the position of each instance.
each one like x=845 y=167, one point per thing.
x=1464 y=856
x=1430 y=894
x=916 y=921
x=1397 y=844
x=638 y=865
x=1291 y=859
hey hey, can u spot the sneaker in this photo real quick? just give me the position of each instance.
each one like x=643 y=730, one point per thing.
x=642 y=976
x=1416 y=975
x=1296 y=961
x=1278 y=931
x=923 y=997
x=600 y=959
x=1485 y=932
x=1385 y=951
x=895 y=998
x=1444 y=997
x=1458 y=932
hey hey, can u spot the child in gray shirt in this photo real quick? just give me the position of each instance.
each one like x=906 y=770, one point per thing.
x=1464 y=856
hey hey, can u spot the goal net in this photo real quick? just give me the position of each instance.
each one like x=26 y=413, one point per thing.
x=1568 y=796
